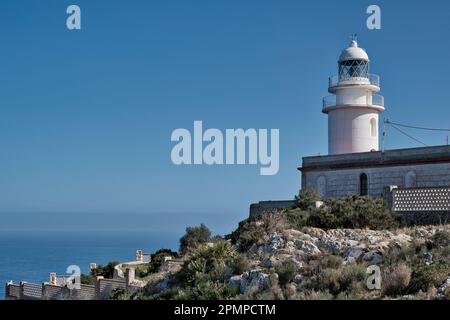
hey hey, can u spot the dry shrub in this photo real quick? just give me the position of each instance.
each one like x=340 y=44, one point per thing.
x=396 y=281
x=255 y=229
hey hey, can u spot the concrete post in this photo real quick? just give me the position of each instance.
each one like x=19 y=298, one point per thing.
x=21 y=294
x=52 y=278
x=139 y=255
x=97 y=286
x=7 y=290
x=129 y=276
x=388 y=192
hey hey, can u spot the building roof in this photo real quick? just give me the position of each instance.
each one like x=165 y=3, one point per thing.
x=353 y=52
x=411 y=156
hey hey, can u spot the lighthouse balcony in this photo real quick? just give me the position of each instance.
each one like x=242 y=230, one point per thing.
x=371 y=81
x=374 y=101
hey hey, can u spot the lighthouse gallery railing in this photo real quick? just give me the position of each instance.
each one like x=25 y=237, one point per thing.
x=373 y=79
x=377 y=100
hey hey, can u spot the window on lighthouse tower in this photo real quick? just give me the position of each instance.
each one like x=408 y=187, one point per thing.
x=373 y=127
x=353 y=69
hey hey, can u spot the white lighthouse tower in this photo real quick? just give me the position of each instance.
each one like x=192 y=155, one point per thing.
x=353 y=108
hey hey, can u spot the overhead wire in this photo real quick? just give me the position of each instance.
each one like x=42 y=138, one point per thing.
x=395 y=126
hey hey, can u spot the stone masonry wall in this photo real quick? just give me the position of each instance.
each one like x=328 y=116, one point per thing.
x=339 y=183
x=265 y=206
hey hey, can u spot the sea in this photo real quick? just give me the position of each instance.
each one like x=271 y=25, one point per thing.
x=32 y=256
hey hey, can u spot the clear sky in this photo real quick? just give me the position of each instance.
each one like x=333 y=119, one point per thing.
x=86 y=116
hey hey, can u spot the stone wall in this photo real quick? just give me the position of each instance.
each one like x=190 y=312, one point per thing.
x=47 y=291
x=343 y=182
x=12 y=291
x=265 y=206
x=104 y=287
x=58 y=292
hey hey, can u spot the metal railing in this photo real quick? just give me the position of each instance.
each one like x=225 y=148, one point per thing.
x=335 y=81
x=377 y=100
x=329 y=101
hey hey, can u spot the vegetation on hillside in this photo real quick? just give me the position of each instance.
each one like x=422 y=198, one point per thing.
x=348 y=212
x=307 y=252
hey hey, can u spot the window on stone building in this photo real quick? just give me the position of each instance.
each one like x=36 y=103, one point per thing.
x=411 y=180
x=363 y=187
x=322 y=186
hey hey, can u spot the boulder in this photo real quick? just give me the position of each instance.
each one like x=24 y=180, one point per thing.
x=275 y=242
x=445 y=286
x=253 y=279
x=353 y=254
x=332 y=245
x=292 y=234
x=374 y=257
x=307 y=247
x=235 y=281
x=428 y=257
x=290 y=246
x=253 y=249
x=298 y=278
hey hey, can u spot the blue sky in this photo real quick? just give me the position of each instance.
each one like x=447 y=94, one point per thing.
x=86 y=116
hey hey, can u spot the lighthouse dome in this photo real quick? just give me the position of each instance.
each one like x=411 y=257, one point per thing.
x=353 y=52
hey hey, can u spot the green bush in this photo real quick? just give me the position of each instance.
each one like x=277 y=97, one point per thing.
x=121 y=294
x=353 y=213
x=207 y=290
x=271 y=292
x=286 y=271
x=203 y=273
x=314 y=295
x=252 y=230
x=346 y=279
x=326 y=280
x=274 y=292
x=106 y=271
x=441 y=239
x=240 y=264
x=158 y=258
x=428 y=276
x=248 y=233
x=194 y=236
x=306 y=198
x=141 y=271
x=208 y=262
x=395 y=255
x=87 y=279
x=331 y=261
x=442 y=255
x=297 y=218
x=352 y=277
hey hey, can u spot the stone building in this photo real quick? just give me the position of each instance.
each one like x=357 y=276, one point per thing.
x=369 y=173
